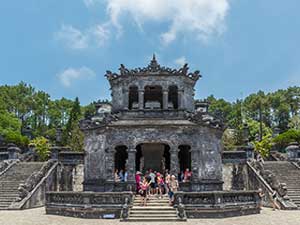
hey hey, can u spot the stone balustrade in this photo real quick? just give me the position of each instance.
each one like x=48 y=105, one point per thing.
x=218 y=203
x=88 y=204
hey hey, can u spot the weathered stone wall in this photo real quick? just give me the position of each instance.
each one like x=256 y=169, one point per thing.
x=205 y=145
x=235 y=176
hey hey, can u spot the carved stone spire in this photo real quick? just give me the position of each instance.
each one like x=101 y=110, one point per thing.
x=154 y=66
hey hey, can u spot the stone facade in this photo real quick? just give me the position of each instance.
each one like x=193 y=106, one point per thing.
x=152 y=105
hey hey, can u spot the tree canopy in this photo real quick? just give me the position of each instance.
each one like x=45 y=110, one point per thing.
x=266 y=114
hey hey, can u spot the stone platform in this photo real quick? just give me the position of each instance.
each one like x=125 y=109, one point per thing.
x=212 y=204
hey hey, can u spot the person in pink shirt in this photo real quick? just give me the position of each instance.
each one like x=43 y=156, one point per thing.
x=138 y=181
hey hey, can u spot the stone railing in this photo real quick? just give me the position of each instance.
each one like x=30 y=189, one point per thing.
x=89 y=204
x=273 y=190
x=216 y=203
x=33 y=180
x=5 y=165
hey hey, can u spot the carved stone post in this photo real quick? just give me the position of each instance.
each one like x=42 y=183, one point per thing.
x=180 y=99
x=165 y=98
x=131 y=164
x=141 y=99
x=126 y=98
x=174 y=162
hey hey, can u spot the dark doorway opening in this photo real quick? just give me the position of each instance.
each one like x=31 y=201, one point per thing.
x=155 y=156
x=121 y=157
x=133 y=97
x=173 y=97
x=184 y=156
x=153 y=97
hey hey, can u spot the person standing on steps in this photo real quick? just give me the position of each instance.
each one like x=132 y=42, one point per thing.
x=138 y=181
x=160 y=184
x=144 y=188
x=173 y=186
x=152 y=184
x=167 y=183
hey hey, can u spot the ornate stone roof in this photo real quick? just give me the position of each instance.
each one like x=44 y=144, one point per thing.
x=152 y=69
x=199 y=118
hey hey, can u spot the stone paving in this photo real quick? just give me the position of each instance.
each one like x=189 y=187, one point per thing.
x=38 y=217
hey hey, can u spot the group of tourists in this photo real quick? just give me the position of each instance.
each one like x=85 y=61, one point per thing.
x=155 y=183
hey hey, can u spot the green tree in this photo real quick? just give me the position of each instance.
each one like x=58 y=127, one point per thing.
x=294 y=122
x=264 y=146
x=283 y=139
x=41 y=147
x=254 y=129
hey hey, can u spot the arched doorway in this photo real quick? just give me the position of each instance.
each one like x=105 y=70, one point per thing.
x=155 y=156
x=121 y=157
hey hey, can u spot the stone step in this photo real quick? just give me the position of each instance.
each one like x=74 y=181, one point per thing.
x=162 y=212
x=154 y=208
x=152 y=219
x=150 y=204
x=171 y=215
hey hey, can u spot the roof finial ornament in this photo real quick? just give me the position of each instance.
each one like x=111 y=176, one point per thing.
x=154 y=66
x=153 y=58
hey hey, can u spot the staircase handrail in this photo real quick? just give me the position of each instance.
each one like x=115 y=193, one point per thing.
x=296 y=164
x=6 y=165
x=24 y=193
x=271 y=195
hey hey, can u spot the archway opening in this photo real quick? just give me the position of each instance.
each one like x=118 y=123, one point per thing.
x=133 y=97
x=173 y=97
x=154 y=156
x=121 y=157
x=184 y=156
x=153 y=97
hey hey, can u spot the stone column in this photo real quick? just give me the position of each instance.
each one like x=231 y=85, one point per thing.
x=110 y=165
x=180 y=99
x=131 y=165
x=194 y=165
x=141 y=99
x=165 y=98
x=174 y=162
x=125 y=98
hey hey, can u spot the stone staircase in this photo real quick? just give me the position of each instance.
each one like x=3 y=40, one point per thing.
x=156 y=210
x=287 y=173
x=12 y=178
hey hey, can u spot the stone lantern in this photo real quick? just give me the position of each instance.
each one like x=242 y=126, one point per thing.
x=13 y=151
x=292 y=151
x=58 y=135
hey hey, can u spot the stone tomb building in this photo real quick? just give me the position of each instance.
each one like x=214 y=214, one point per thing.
x=152 y=123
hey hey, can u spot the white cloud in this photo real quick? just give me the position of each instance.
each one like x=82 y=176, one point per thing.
x=74 y=38
x=70 y=75
x=90 y=3
x=200 y=18
x=180 y=61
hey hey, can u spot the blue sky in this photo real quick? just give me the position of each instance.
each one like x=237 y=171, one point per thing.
x=64 y=47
